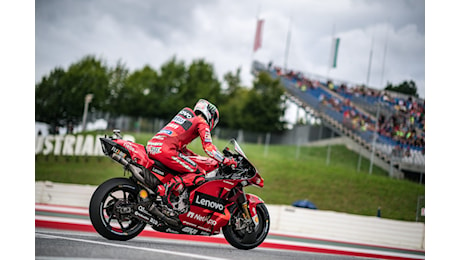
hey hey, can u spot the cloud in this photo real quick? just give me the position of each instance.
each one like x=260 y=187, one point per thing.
x=222 y=32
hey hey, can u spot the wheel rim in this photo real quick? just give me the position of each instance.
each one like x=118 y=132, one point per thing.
x=259 y=233
x=114 y=213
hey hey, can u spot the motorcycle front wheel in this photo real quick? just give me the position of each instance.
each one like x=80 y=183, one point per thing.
x=239 y=237
x=110 y=210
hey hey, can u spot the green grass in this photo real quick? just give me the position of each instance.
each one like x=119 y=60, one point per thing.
x=289 y=175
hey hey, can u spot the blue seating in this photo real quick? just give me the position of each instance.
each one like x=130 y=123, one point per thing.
x=312 y=97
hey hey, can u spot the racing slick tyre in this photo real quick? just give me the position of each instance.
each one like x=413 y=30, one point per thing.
x=239 y=237
x=110 y=210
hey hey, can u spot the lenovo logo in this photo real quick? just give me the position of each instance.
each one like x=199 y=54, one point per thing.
x=208 y=202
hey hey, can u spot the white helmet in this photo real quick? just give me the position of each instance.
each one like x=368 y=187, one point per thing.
x=209 y=111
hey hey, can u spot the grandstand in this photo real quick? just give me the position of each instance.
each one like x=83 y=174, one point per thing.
x=389 y=126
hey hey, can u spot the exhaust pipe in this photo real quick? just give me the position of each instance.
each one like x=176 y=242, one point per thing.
x=136 y=171
x=163 y=217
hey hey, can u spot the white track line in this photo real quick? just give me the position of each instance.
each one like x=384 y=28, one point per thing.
x=188 y=255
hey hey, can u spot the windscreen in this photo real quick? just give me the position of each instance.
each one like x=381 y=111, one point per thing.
x=238 y=148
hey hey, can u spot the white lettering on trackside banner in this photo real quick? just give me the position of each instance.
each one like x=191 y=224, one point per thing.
x=71 y=145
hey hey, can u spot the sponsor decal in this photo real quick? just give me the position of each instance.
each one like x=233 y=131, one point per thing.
x=155 y=144
x=171 y=231
x=118 y=151
x=186 y=114
x=198 y=227
x=137 y=213
x=207 y=137
x=165 y=131
x=208 y=202
x=159 y=137
x=146 y=218
x=189 y=224
x=142 y=209
x=214 y=153
x=172 y=125
x=210 y=153
x=186 y=124
x=218 y=156
x=182 y=164
x=187 y=159
x=201 y=218
x=190 y=230
x=129 y=147
x=179 y=120
x=204 y=229
x=156 y=170
x=154 y=150
x=154 y=222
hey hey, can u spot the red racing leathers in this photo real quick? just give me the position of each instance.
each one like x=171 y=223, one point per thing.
x=169 y=147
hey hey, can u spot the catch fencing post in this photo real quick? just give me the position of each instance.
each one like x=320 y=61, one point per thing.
x=88 y=99
x=267 y=143
x=359 y=159
x=391 y=165
x=297 y=137
x=374 y=137
x=240 y=137
x=419 y=207
x=297 y=152
x=328 y=158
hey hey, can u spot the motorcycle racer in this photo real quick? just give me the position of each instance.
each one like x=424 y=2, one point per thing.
x=169 y=146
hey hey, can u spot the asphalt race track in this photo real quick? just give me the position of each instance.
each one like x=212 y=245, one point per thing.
x=66 y=233
x=60 y=244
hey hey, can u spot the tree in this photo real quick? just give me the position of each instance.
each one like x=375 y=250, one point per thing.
x=264 y=106
x=172 y=77
x=200 y=82
x=408 y=88
x=60 y=98
x=114 y=102
x=141 y=97
x=49 y=107
x=182 y=86
x=234 y=97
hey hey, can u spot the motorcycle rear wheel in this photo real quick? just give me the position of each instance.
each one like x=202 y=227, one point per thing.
x=242 y=240
x=105 y=213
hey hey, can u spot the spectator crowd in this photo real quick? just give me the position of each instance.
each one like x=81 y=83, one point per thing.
x=402 y=125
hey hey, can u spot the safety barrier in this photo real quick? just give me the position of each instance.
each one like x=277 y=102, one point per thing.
x=338 y=226
x=318 y=224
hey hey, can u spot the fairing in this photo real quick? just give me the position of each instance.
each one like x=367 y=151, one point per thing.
x=209 y=203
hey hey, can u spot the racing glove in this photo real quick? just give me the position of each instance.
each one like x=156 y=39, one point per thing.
x=230 y=162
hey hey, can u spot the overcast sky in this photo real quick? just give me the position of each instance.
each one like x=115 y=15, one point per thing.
x=151 y=32
x=140 y=33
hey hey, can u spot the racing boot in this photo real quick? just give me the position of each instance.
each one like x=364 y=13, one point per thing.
x=174 y=197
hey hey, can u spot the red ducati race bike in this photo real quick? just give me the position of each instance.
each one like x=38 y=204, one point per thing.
x=120 y=208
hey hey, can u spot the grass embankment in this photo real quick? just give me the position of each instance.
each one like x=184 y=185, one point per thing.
x=288 y=177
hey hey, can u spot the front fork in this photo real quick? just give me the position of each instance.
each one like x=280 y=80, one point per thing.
x=248 y=206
